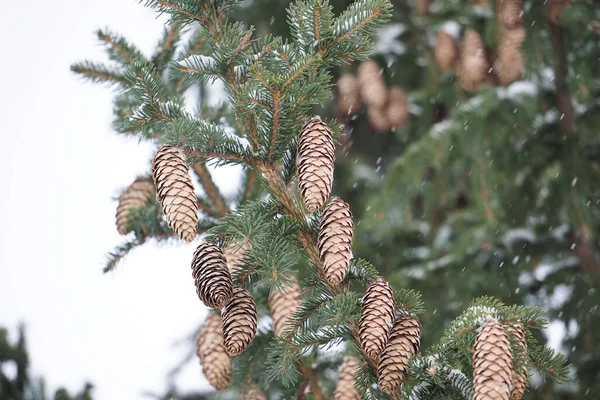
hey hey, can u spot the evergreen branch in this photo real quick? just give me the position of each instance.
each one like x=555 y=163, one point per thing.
x=211 y=189
x=98 y=73
x=313 y=383
x=275 y=129
x=118 y=48
x=204 y=206
x=120 y=252
x=167 y=46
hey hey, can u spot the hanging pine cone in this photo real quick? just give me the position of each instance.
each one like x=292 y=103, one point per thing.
x=348 y=94
x=492 y=363
x=135 y=196
x=175 y=191
x=335 y=240
x=239 y=321
x=283 y=302
x=555 y=7
x=404 y=343
x=256 y=394
x=519 y=376
x=378 y=119
x=372 y=86
x=473 y=65
x=216 y=364
x=509 y=13
x=345 y=389
x=446 y=50
x=422 y=8
x=235 y=253
x=509 y=65
x=397 y=108
x=315 y=162
x=213 y=280
x=377 y=315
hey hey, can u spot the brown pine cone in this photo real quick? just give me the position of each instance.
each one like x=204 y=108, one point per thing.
x=240 y=319
x=555 y=7
x=404 y=343
x=519 y=376
x=175 y=191
x=216 y=364
x=473 y=65
x=509 y=65
x=345 y=389
x=378 y=119
x=348 y=94
x=446 y=50
x=135 y=196
x=315 y=162
x=335 y=240
x=509 y=13
x=397 y=108
x=213 y=280
x=492 y=363
x=283 y=302
x=377 y=314
x=372 y=86
x=235 y=253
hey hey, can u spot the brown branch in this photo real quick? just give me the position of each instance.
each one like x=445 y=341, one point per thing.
x=376 y=13
x=309 y=376
x=299 y=71
x=275 y=129
x=212 y=191
x=179 y=9
x=202 y=205
x=250 y=181
x=564 y=101
x=102 y=75
x=108 y=40
x=316 y=14
x=243 y=43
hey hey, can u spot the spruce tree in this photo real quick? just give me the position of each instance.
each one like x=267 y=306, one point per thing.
x=275 y=252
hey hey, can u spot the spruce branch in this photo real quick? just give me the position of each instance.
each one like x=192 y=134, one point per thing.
x=211 y=189
x=118 y=48
x=98 y=73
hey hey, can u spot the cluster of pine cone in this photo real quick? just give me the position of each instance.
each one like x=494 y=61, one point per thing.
x=470 y=59
x=386 y=108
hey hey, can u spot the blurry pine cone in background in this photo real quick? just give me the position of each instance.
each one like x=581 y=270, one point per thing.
x=509 y=65
x=175 y=191
x=240 y=319
x=348 y=94
x=345 y=388
x=373 y=90
x=378 y=119
x=377 y=314
x=492 y=363
x=519 y=376
x=404 y=343
x=335 y=240
x=283 y=302
x=397 y=109
x=446 y=51
x=135 y=196
x=216 y=364
x=509 y=13
x=213 y=280
x=315 y=160
x=473 y=65
x=235 y=253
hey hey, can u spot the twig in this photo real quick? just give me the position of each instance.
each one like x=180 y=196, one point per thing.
x=212 y=191
x=315 y=389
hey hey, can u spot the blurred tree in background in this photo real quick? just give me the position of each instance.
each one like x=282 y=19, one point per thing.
x=16 y=383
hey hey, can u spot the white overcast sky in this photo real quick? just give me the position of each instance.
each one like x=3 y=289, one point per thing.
x=61 y=165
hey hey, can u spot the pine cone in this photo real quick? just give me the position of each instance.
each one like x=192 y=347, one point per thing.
x=283 y=303
x=473 y=66
x=235 y=253
x=345 y=389
x=446 y=50
x=555 y=7
x=135 y=196
x=404 y=343
x=492 y=363
x=519 y=376
x=256 y=394
x=216 y=364
x=213 y=280
x=315 y=163
x=348 y=94
x=378 y=119
x=422 y=8
x=509 y=65
x=175 y=191
x=335 y=240
x=397 y=108
x=377 y=315
x=372 y=86
x=509 y=13
x=239 y=321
